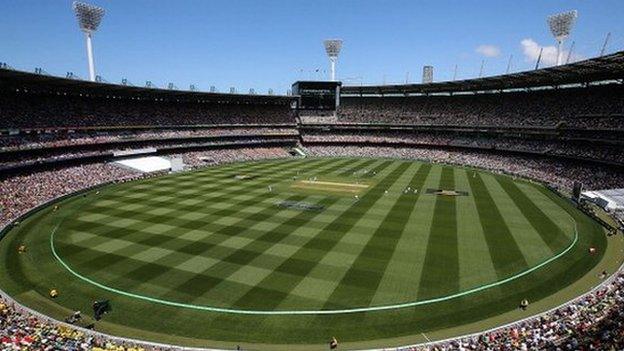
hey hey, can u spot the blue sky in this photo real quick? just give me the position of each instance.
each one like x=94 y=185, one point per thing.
x=264 y=44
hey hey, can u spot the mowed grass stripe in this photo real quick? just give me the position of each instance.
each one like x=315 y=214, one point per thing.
x=321 y=282
x=340 y=164
x=476 y=266
x=350 y=171
x=369 y=268
x=322 y=243
x=168 y=232
x=199 y=177
x=350 y=246
x=255 y=188
x=228 y=264
x=233 y=208
x=140 y=215
x=560 y=202
x=204 y=182
x=504 y=250
x=256 y=251
x=229 y=180
x=380 y=167
x=147 y=272
x=441 y=265
x=303 y=330
x=314 y=247
x=402 y=276
x=250 y=258
x=206 y=178
x=531 y=244
x=150 y=195
x=349 y=289
x=550 y=208
x=547 y=229
x=190 y=247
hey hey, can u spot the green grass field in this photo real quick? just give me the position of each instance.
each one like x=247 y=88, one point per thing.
x=206 y=259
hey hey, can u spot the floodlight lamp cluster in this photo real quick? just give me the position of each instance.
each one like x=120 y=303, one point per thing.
x=89 y=16
x=332 y=47
x=561 y=24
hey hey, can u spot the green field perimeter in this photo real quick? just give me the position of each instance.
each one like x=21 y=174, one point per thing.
x=387 y=248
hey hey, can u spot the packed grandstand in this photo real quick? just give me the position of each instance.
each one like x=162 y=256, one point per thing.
x=61 y=136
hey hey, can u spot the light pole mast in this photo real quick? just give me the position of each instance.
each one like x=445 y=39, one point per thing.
x=332 y=48
x=560 y=26
x=89 y=18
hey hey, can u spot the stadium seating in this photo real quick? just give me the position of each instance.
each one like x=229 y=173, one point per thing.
x=29 y=110
x=586 y=108
x=57 y=144
x=529 y=144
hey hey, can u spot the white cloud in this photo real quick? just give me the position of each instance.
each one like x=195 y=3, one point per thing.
x=488 y=50
x=531 y=50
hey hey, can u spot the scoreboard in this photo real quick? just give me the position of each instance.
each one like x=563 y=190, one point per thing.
x=317 y=95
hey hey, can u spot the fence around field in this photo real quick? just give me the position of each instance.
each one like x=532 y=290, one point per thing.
x=155 y=346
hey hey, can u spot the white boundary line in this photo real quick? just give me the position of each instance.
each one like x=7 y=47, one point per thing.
x=307 y=312
x=142 y=343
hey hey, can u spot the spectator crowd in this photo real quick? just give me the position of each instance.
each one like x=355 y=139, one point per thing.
x=555 y=147
x=26 y=110
x=55 y=155
x=558 y=173
x=592 y=322
x=585 y=108
x=199 y=159
x=20 y=193
x=20 y=330
x=37 y=139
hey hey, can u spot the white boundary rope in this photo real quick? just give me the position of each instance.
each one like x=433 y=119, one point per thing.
x=307 y=312
x=154 y=345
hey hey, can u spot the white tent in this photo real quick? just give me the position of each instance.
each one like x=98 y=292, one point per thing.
x=146 y=164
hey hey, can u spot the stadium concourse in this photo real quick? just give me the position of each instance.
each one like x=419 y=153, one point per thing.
x=61 y=136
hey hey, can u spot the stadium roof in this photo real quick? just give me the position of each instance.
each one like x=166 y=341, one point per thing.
x=604 y=68
x=13 y=79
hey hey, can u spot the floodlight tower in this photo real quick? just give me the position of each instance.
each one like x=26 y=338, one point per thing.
x=560 y=26
x=332 y=48
x=89 y=18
